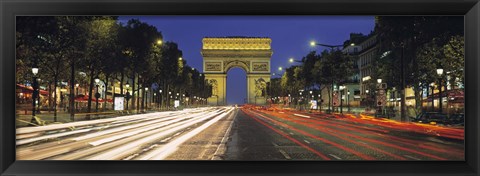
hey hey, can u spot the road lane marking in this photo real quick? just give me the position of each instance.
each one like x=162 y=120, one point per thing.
x=306 y=141
x=285 y=154
x=291 y=133
x=362 y=142
x=223 y=143
x=300 y=115
x=335 y=156
x=274 y=144
x=411 y=157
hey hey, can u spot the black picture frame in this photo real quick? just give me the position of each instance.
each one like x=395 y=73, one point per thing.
x=10 y=8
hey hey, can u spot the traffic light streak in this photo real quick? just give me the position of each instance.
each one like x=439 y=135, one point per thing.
x=361 y=155
x=307 y=123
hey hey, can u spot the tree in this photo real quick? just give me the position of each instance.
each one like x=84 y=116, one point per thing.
x=100 y=33
x=454 y=51
x=334 y=68
x=412 y=32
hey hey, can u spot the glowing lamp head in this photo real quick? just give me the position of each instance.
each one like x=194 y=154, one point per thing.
x=440 y=71
x=313 y=43
x=35 y=71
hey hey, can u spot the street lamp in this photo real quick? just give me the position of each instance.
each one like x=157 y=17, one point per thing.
x=127 y=95
x=169 y=96
x=291 y=60
x=348 y=100
x=313 y=43
x=159 y=42
x=160 y=98
x=379 y=81
x=341 y=88
x=97 y=95
x=180 y=58
x=440 y=73
x=280 y=68
x=146 y=98
x=35 y=91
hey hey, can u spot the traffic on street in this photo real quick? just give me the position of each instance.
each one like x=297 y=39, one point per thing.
x=240 y=133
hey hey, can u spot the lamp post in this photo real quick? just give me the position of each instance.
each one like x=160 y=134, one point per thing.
x=160 y=97
x=299 y=100
x=440 y=72
x=348 y=100
x=76 y=104
x=319 y=102
x=379 y=108
x=341 y=88
x=168 y=99
x=146 y=98
x=127 y=95
x=402 y=78
x=35 y=92
x=432 y=88
x=97 y=95
x=308 y=102
x=178 y=98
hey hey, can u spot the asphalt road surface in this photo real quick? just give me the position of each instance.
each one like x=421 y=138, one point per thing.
x=153 y=136
x=248 y=133
x=289 y=135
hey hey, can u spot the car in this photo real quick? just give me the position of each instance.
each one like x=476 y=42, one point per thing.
x=457 y=119
x=432 y=118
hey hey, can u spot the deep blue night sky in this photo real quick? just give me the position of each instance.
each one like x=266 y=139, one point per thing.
x=290 y=37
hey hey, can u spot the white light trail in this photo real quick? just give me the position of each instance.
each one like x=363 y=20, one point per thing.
x=162 y=152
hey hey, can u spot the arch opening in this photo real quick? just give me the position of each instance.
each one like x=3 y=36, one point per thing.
x=236 y=86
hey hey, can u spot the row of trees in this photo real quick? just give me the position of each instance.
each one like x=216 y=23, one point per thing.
x=315 y=73
x=424 y=43
x=427 y=43
x=100 y=47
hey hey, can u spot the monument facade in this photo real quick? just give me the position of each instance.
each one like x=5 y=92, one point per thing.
x=251 y=54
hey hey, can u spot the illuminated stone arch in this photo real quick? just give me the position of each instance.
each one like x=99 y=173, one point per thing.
x=252 y=54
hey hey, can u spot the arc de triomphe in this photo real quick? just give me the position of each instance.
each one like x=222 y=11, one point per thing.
x=251 y=54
